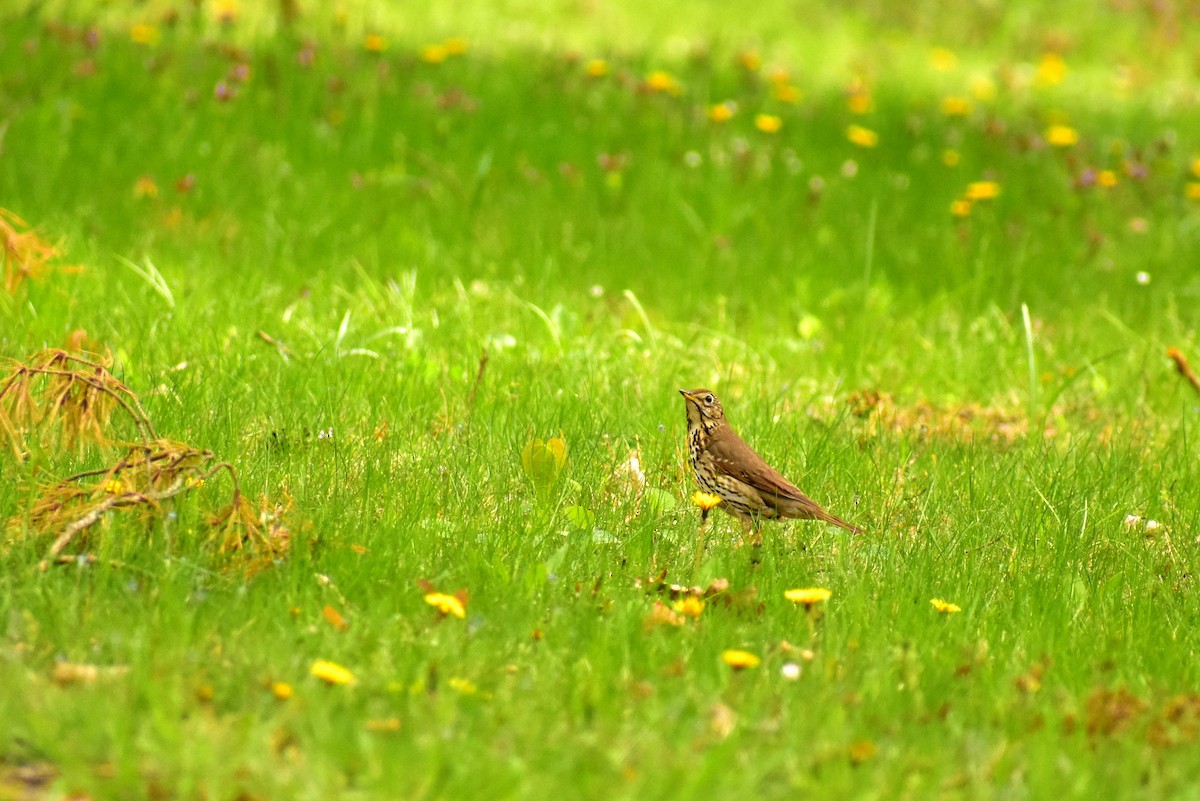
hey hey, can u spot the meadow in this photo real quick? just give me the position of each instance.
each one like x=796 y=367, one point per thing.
x=343 y=455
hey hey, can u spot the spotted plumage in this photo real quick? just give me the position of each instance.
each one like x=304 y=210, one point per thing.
x=725 y=466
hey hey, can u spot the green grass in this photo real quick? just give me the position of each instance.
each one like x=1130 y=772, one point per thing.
x=389 y=221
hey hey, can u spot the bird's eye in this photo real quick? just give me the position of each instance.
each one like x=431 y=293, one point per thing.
x=708 y=398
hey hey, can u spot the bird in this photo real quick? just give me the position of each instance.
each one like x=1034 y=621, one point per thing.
x=728 y=468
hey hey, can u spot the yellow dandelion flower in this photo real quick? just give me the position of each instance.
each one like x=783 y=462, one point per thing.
x=982 y=87
x=808 y=595
x=145 y=187
x=982 y=190
x=961 y=208
x=464 y=686
x=383 y=725
x=1051 y=69
x=942 y=59
x=225 y=12
x=114 y=486
x=750 y=60
x=1062 y=135
x=705 y=500
x=1192 y=190
x=786 y=93
x=143 y=34
x=956 y=106
x=862 y=751
x=740 y=660
x=447 y=604
x=1106 y=178
x=945 y=607
x=433 y=54
x=1195 y=166
x=859 y=103
x=455 y=46
x=863 y=137
x=661 y=81
x=951 y=158
x=722 y=112
x=331 y=672
x=779 y=75
x=768 y=123
x=282 y=690
x=596 y=68
x=689 y=606
x=375 y=43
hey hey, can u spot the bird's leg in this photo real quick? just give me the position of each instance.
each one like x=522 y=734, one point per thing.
x=752 y=536
x=749 y=527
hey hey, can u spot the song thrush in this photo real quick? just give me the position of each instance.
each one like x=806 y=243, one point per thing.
x=725 y=466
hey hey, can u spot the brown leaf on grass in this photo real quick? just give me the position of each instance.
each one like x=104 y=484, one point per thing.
x=717 y=592
x=67 y=673
x=722 y=720
x=1110 y=712
x=383 y=725
x=663 y=615
x=963 y=422
x=1183 y=368
x=1031 y=681
x=1178 y=723
x=26 y=254
x=25 y=781
x=334 y=618
x=862 y=751
x=658 y=584
x=280 y=348
x=1002 y=423
x=78 y=341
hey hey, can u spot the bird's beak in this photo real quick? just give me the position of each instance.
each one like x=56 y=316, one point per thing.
x=686 y=394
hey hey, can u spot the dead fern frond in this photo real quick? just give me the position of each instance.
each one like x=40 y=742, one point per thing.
x=1183 y=368
x=69 y=397
x=141 y=481
x=77 y=400
x=239 y=525
x=25 y=253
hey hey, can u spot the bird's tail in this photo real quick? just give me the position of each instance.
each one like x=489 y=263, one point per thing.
x=837 y=521
x=808 y=509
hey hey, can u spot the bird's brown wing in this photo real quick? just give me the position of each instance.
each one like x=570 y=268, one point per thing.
x=733 y=456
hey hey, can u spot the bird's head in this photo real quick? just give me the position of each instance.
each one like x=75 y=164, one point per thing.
x=703 y=408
